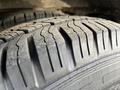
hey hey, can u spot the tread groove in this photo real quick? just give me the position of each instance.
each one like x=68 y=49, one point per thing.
x=45 y=14
x=7 y=82
x=109 y=32
x=25 y=18
x=25 y=83
x=3 y=65
x=80 y=48
x=68 y=43
x=34 y=14
x=15 y=22
x=79 y=40
x=116 y=37
x=25 y=31
x=33 y=53
x=2 y=23
x=23 y=78
x=94 y=35
x=85 y=36
x=3 y=39
x=50 y=61
x=57 y=50
x=103 y=39
x=87 y=44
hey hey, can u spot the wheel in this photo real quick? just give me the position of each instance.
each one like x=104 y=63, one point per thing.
x=61 y=53
x=13 y=18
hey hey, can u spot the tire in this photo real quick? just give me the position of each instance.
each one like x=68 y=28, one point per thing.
x=13 y=18
x=62 y=53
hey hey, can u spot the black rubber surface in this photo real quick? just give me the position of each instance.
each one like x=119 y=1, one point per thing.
x=61 y=53
x=13 y=18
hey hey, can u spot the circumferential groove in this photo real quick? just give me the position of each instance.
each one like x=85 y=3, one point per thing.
x=94 y=35
x=33 y=54
x=68 y=43
x=7 y=82
x=109 y=33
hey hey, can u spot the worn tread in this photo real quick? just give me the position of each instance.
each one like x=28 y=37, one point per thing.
x=58 y=53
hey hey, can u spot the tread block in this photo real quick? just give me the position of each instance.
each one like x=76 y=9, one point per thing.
x=111 y=33
x=25 y=63
x=12 y=67
x=105 y=35
x=61 y=47
x=51 y=47
x=86 y=44
x=98 y=35
x=42 y=51
x=90 y=36
x=73 y=41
